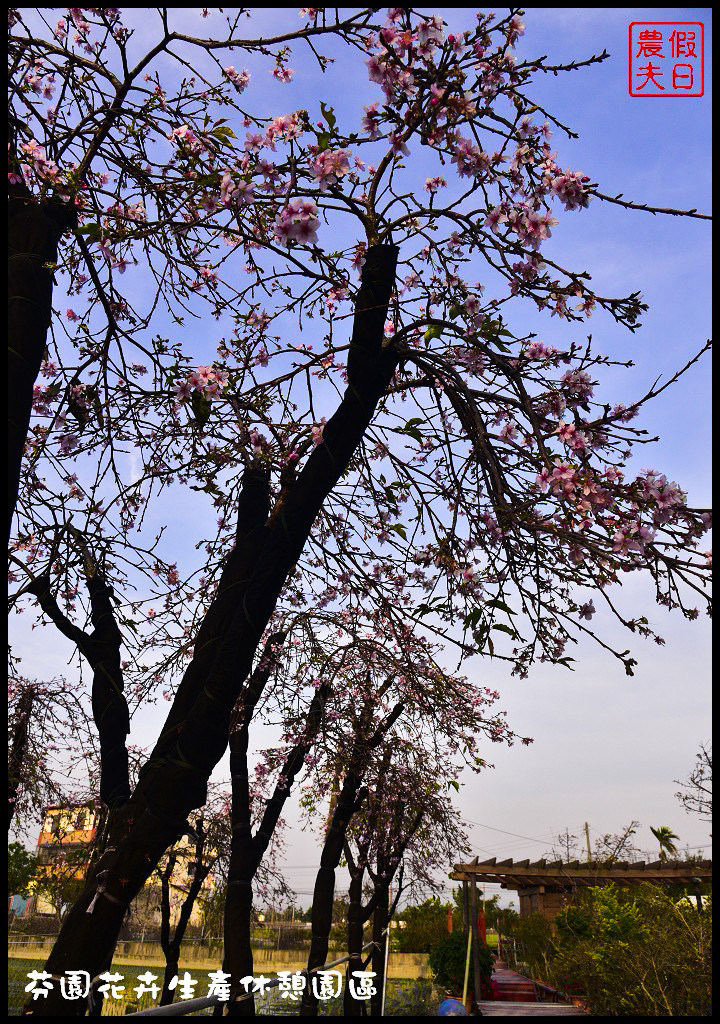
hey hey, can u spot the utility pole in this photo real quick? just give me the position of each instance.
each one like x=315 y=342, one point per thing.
x=587 y=840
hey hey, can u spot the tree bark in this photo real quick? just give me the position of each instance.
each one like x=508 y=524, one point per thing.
x=247 y=850
x=101 y=648
x=324 y=890
x=349 y=801
x=146 y=826
x=356 y=919
x=252 y=514
x=171 y=947
x=34 y=230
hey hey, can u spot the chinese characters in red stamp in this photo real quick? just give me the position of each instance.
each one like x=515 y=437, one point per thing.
x=666 y=58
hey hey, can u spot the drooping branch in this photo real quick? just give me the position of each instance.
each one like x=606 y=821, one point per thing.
x=101 y=649
x=18 y=747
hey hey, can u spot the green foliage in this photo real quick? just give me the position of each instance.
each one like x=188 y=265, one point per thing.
x=62 y=881
x=201 y=408
x=22 y=866
x=640 y=951
x=534 y=934
x=666 y=840
x=211 y=903
x=502 y=919
x=425 y=926
x=447 y=962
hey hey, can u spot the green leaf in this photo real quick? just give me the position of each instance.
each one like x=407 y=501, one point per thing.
x=97 y=406
x=91 y=230
x=455 y=312
x=504 y=628
x=398 y=528
x=323 y=141
x=223 y=133
x=500 y=605
x=412 y=431
x=473 y=618
x=328 y=115
x=434 y=331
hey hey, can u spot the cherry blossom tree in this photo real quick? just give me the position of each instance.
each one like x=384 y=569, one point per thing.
x=406 y=831
x=398 y=725
x=48 y=731
x=461 y=479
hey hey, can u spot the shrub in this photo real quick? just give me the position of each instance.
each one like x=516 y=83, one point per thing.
x=447 y=962
x=634 y=952
x=425 y=925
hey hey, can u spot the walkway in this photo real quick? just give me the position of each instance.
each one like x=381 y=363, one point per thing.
x=500 y=1009
x=516 y=997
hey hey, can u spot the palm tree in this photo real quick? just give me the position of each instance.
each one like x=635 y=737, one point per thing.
x=665 y=837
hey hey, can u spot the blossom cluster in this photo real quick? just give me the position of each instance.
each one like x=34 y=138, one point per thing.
x=329 y=166
x=38 y=166
x=206 y=381
x=297 y=222
x=240 y=79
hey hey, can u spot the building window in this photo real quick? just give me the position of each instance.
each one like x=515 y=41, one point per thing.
x=80 y=820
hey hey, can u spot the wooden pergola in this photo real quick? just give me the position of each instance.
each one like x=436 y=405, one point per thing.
x=544 y=887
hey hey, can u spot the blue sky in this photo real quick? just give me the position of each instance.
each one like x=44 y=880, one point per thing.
x=607 y=748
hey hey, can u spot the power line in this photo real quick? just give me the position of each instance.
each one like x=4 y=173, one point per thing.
x=532 y=839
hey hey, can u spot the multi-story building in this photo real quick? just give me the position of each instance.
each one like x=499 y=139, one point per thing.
x=62 y=852
x=66 y=834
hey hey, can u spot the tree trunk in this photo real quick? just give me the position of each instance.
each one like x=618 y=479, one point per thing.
x=178 y=783
x=356 y=918
x=34 y=230
x=101 y=648
x=324 y=891
x=247 y=850
x=172 y=959
x=237 y=952
x=253 y=508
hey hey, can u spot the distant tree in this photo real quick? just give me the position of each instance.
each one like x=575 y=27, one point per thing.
x=212 y=910
x=696 y=792
x=666 y=840
x=610 y=848
x=39 y=713
x=22 y=867
x=61 y=881
x=425 y=925
x=197 y=870
x=565 y=846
